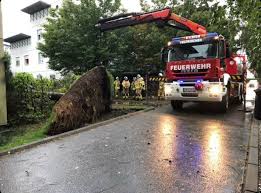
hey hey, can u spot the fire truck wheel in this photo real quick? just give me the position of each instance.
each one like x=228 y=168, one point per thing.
x=240 y=97
x=225 y=103
x=176 y=105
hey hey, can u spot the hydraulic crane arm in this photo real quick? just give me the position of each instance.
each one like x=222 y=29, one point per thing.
x=160 y=17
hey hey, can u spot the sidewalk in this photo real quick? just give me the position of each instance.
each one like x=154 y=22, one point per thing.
x=252 y=178
x=259 y=155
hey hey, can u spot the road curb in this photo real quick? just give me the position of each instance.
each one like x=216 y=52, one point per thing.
x=73 y=132
x=251 y=176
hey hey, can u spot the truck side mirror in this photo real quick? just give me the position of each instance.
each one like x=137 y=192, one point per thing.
x=164 y=55
x=228 y=51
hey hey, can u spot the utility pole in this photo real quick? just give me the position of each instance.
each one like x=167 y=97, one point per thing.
x=3 y=109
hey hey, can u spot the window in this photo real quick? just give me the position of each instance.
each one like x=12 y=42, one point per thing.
x=40 y=14
x=201 y=50
x=26 y=60
x=40 y=58
x=17 y=61
x=39 y=34
x=46 y=12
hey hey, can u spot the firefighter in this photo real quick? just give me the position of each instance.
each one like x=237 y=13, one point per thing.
x=125 y=87
x=133 y=92
x=139 y=86
x=161 y=92
x=116 y=85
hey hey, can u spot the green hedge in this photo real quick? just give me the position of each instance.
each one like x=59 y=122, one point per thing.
x=29 y=99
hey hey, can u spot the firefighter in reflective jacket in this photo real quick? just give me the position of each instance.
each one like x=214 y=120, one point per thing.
x=116 y=85
x=161 y=92
x=139 y=86
x=125 y=87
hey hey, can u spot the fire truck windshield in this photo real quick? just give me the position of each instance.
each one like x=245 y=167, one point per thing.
x=189 y=51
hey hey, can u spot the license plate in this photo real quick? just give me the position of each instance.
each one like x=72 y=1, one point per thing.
x=189 y=89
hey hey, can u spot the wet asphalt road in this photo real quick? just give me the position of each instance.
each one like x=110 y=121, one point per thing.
x=156 y=152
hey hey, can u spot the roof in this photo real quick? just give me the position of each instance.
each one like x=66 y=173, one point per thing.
x=16 y=38
x=38 y=6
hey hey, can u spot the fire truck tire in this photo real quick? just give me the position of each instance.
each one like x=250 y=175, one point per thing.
x=176 y=105
x=224 y=104
x=239 y=99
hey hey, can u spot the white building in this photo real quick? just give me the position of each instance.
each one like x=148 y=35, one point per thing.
x=7 y=47
x=25 y=57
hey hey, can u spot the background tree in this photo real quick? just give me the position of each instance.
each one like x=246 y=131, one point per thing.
x=71 y=41
x=8 y=72
x=249 y=14
x=139 y=49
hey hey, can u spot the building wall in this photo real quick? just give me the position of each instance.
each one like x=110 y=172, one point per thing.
x=35 y=67
x=7 y=48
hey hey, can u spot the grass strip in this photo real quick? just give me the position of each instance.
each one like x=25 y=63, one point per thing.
x=30 y=133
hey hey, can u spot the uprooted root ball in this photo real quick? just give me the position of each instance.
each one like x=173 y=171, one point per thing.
x=86 y=100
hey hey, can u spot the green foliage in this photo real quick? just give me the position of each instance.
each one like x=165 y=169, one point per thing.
x=71 y=38
x=30 y=101
x=138 y=49
x=64 y=84
x=8 y=73
x=248 y=11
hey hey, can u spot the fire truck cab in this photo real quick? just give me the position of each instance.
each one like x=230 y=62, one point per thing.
x=201 y=68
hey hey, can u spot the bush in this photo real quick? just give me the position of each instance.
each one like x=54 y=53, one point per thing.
x=29 y=101
x=8 y=74
x=64 y=84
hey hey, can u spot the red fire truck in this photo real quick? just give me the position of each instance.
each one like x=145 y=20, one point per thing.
x=199 y=68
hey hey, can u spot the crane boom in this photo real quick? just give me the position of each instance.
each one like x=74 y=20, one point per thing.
x=161 y=17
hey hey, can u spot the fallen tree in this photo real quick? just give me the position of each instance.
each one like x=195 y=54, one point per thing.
x=87 y=99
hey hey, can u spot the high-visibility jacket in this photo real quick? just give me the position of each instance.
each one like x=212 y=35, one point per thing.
x=133 y=85
x=138 y=85
x=126 y=84
x=116 y=84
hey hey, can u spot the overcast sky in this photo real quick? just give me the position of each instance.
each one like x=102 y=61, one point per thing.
x=15 y=21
